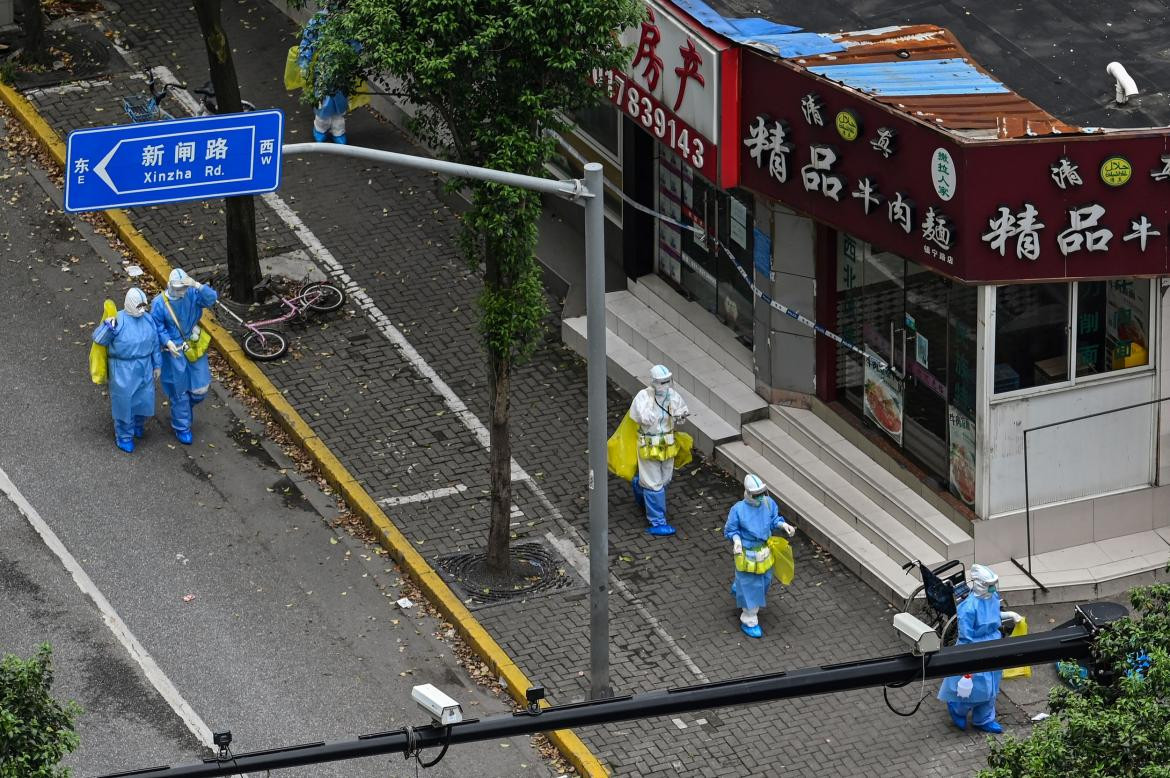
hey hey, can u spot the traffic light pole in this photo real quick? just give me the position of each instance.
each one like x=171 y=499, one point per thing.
x=1070 y=641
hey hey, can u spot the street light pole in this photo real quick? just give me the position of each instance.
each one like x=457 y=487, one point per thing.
x=598 y=479
x=592 y=194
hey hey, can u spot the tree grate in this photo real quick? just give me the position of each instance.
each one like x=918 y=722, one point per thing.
x=536 y=569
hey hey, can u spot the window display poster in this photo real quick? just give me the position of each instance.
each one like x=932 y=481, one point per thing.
x=962 y=455
x=922 y=350
x=1127 y=307
x=738 y=213
x=883 y=399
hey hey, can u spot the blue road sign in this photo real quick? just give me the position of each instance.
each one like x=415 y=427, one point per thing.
x=173 y=160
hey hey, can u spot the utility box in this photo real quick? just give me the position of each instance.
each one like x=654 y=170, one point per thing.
x=5 y=13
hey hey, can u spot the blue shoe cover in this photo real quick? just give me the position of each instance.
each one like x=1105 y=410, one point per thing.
x=991 y=727
x=184 y=436
x=139 y=430
x=340 y=139
x=959 y=720
x=126 y=444
x=661 y=530
x=320 y=137
x=752 y=632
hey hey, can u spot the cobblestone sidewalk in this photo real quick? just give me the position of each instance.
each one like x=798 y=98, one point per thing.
x=395 y=236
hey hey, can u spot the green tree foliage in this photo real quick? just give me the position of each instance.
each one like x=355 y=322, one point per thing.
x=36 y=731
x=1117 y=725
x=488 y=78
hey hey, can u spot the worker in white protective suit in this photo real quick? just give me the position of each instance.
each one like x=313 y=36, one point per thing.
x=656 y=410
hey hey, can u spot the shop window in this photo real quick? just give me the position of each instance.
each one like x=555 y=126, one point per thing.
x=600 y=123
x=1112 y=325
x=1031 y=335
x=1106 y=323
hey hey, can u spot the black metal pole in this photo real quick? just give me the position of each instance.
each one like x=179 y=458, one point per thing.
x=1067 y=642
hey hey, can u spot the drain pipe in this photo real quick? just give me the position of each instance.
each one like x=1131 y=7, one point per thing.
x=1126 y=86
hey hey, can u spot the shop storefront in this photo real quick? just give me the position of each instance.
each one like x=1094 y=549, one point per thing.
x=954 y=268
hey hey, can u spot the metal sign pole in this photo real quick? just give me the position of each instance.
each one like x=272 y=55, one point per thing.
x=598 y=471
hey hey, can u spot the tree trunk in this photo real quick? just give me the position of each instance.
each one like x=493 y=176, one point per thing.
x=499 y=384
x=33 y=25
x=243 y=260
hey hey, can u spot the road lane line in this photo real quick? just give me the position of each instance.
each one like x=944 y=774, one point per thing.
x=432 y=494
x=150 y=668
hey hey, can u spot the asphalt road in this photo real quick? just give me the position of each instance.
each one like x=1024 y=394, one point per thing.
x=291 y=633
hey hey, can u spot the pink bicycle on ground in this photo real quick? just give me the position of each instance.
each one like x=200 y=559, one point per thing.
x=265 y=345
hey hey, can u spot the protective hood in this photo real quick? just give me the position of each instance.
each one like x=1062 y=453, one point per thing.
x=984 y=581
x=176 y=287
x=135 y=303
x=753 y=489
x=660 y=380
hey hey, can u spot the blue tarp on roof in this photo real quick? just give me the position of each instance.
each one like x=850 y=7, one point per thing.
x=913 y=77
x=782 y=39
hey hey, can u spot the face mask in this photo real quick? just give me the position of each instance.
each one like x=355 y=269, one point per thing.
x=754 y=500
x=176 y=293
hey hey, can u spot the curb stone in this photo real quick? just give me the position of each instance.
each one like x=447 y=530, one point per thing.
x=399 y=548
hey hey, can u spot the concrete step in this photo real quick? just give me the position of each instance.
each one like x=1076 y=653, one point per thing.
x=696 y=323
x=696 y=368
x=842 y=539
x=887 y=491
x=629 y=369
x=1105 y=569
x=833 y=490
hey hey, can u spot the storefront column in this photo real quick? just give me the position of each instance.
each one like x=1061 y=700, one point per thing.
x=984 y=385
x=1164 y=382
x=826 y=311
x=785 y=357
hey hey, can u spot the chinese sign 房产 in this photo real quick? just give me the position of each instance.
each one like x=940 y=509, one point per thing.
x=671 y=86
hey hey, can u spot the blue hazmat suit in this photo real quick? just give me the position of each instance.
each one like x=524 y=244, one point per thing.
x=185 y=383
x=754 y=525
x=132 y=356
x=329 y=115
x=979 y=620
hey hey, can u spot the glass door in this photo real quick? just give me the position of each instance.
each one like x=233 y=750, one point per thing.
x=884 y=335
x=925 y=348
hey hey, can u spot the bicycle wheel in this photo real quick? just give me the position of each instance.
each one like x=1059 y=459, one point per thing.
x=265 y=345
x=322 y=297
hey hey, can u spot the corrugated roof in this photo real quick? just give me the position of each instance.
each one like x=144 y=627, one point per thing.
x=949 y=76
x=923 y=71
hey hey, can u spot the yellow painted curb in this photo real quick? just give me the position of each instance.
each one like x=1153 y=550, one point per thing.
x=389 y=536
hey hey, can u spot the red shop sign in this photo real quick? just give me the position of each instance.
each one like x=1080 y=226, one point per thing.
x=980 y=211
x=681 y=86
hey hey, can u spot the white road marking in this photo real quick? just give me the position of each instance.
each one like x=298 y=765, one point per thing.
x=380 y=320
x=138 y=653
x=431 y=494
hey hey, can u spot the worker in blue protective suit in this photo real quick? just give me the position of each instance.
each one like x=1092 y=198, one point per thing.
x=656 y=410
x=979 y=619
x=133 y=357
x=329 y=114
x=749 y=526
x=176 y=311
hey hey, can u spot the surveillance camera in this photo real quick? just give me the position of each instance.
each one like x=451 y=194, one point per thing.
x=442 y=709
x=924 y=639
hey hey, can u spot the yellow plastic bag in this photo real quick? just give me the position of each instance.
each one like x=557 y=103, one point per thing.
x=99 y=368
x=293 y=77
x=784 y=567
x=621 y=452
x=685 y=444
x=1021 y=628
